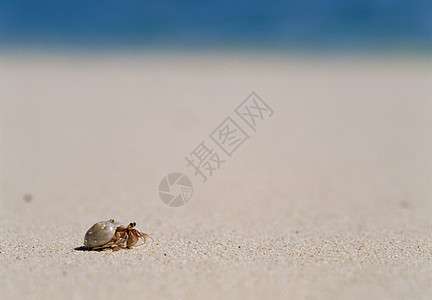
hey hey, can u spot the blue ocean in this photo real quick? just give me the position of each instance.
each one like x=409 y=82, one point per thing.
x=331 y=23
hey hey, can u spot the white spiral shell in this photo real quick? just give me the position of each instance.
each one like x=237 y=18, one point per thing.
x=101 y=233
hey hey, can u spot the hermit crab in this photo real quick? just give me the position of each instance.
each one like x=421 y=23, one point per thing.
x=112 y=234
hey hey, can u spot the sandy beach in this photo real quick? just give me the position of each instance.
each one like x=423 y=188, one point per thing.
x=330 y=197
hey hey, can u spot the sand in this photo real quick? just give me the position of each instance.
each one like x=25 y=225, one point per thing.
x=330 y=197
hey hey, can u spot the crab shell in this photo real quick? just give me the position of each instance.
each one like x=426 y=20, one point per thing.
x=101 y=233
x=114 y=235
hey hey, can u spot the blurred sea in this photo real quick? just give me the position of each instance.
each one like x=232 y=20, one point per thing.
x=190 y=23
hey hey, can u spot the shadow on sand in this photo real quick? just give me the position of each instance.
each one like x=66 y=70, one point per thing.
x=82 y=248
